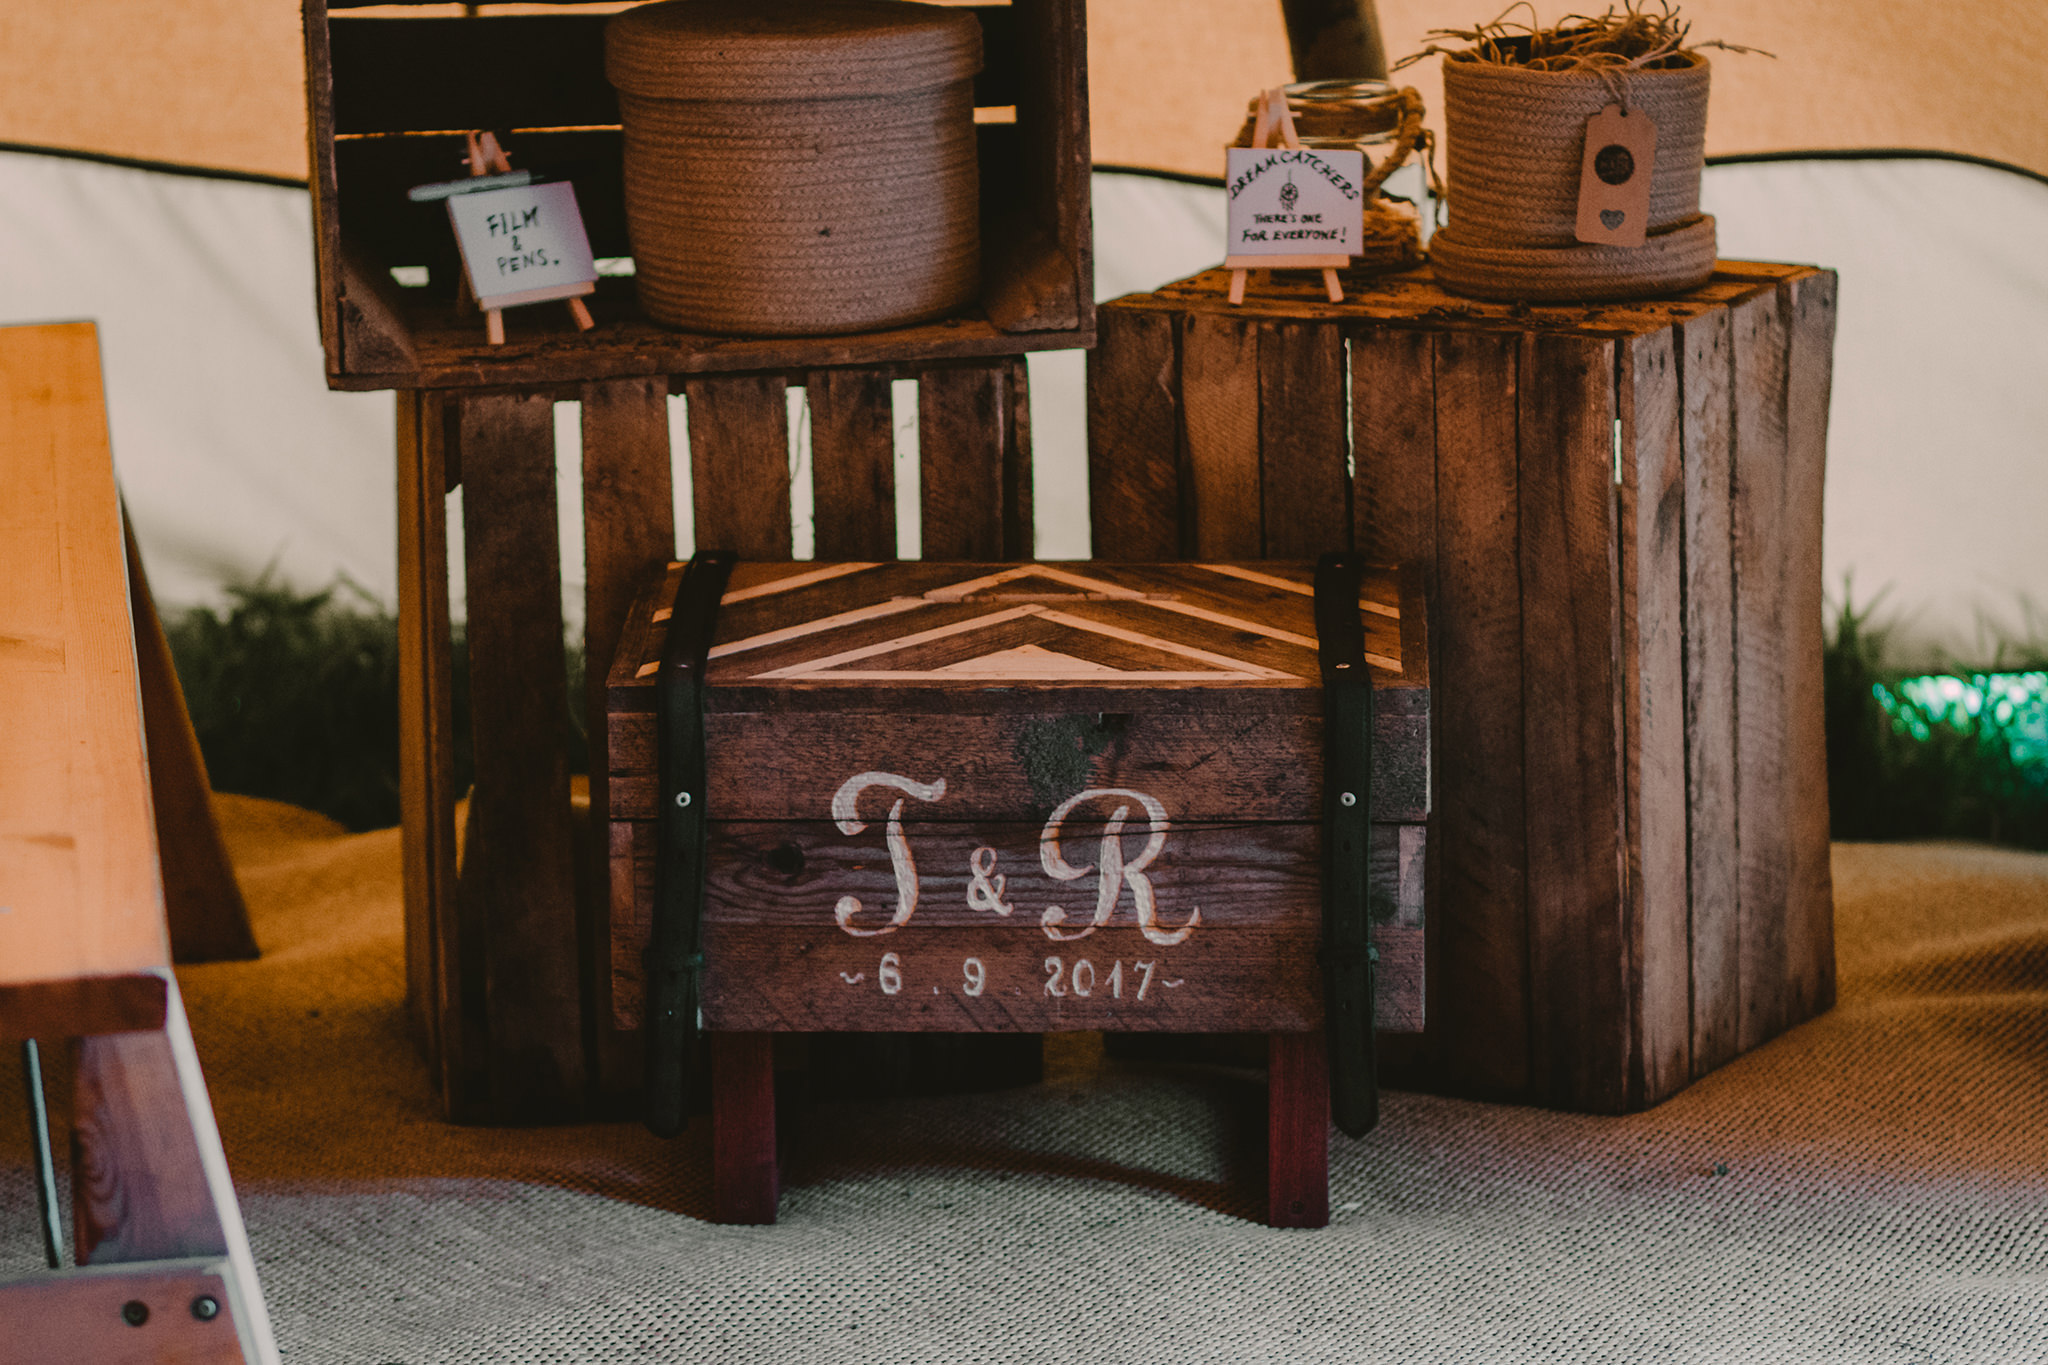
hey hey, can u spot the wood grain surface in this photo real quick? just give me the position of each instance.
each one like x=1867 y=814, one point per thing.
x=78 y=1316
x=746 y=1181
x=1219 y=375
x=853 y=464
x=78 y=852
x=1304 y=444
x=739 y=464
x=962 y=421
x=139 y=1190
x=1654 y=815
x=1134 y=457
x=1297 y=1131
x=629 y=534
x=1393 y=443
x=518 y=873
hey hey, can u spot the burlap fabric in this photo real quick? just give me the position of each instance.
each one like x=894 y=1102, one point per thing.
x=799 y=167
x=1514 y=139
x=1884 y=1197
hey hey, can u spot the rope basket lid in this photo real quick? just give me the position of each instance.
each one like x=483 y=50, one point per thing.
x=777 y=50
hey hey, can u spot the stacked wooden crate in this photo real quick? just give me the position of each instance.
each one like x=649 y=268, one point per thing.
x=1618 y=513
x=505 y=949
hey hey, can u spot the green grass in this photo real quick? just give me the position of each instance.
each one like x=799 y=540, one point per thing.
x=1952 y=755
x=295 y=697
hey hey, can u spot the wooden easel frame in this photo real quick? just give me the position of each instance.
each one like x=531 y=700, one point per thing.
x=1274 y=114
x=486 y=157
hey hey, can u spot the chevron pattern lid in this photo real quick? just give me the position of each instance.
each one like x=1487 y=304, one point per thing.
x=1052 y=624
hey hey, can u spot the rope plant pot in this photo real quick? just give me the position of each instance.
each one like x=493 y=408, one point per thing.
x=799 y=167
x=1516 y=111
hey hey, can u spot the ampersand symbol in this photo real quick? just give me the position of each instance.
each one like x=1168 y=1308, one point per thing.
x=982 y=893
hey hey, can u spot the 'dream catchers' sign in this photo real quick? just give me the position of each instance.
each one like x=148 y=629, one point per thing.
x=1295 y=201
x=525 y=244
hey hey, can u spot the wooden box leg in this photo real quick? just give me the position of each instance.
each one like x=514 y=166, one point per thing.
x=1298 y=1131
x=744 y=1181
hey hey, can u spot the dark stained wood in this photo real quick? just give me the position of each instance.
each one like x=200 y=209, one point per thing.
x=1051 y=38
x=853 y=464
x=1710 y=720
x=1478 y=924
x=1305 y=487
x=139 y=1190
x=322 y=186
x=1393 y=444
x=1759 y=334
x=739 y=464
x=1809 y=910
x=629 y=534
x=78 y=1316
x=745 y=1182
x=765 y=918
x=439 y=959
x=1297 y=1131
x=203 y=903
x=1654 y=818
x=1020 y=529
x=1219 y=373
x=1578 y=957
x=962 y=425
x=78 y=1006
x=518 y=873
x=373 y=332
x=1134 y=474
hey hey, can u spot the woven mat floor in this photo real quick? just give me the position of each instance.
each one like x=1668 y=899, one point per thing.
x=1885 y=1196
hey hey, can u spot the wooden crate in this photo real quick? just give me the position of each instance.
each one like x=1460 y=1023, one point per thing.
x=389 y=97
x=1618 y=511
x=1142 y=743
x=507 y=946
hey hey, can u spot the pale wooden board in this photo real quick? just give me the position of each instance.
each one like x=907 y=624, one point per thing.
x=79 y=876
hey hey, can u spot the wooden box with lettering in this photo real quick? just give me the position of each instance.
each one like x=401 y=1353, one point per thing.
x=1617 y=512
x=1028 y=798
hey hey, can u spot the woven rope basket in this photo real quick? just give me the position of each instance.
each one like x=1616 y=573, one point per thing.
x=1515 y=138
x=799 y=167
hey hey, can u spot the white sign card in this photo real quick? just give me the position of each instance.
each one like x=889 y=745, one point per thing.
x=525 y=244
x=1295 y=201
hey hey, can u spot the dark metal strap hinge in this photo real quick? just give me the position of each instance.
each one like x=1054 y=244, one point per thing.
x=675 y=951
x=1347 y=955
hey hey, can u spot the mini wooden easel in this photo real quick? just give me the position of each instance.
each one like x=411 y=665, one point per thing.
x=164 y=1270
x=1273 y=112
x=486 y=157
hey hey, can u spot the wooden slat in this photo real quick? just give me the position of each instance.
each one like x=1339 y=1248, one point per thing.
x=439 y=958
x=1578 y=1010
x=629 y=534
x=1305 y=488
x=79 y=1316
x=1809 y=920
x=962 y=437
x=1020 y=530
x=77 y=842
x=1393 y=424
x=1478 y=938
x=1758 y=513
x=321 y=183
x=1219 y=375
x=1705 y=434
x=1134 y=475
x=83 y=1005
x=1053 y=170
x=1297 y=1131
x=140 y=1192
x=202 y=901
x=739 y=464
x=853 y=464
x=1652 y=541
x=518 y=865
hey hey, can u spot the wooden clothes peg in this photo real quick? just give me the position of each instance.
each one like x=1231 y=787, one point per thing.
x=1273 y=114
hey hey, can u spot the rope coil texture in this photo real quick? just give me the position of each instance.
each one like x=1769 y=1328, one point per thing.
x=1516 y=138
x=797 y=169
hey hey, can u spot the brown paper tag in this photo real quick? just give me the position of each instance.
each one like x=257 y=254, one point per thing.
x=1614 y=178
